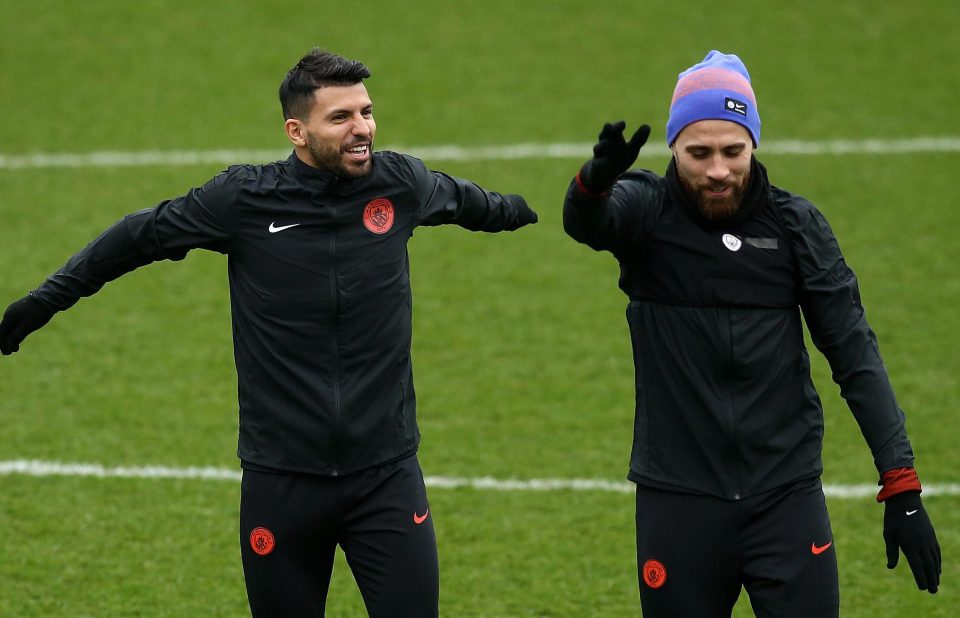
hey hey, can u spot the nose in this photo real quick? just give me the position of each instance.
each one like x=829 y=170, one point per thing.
x=718 y=169
x=360 y=128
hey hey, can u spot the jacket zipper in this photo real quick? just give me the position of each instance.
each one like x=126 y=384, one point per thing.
x=334 y=328
x=730 y=383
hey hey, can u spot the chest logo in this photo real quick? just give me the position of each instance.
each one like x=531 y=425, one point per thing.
x=273 y=228
x=378 y=215
x=732 y=242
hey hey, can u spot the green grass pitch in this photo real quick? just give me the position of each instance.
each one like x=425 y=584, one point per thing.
x=521 y=354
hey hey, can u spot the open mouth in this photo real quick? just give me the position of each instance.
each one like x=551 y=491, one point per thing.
x=717 y=192
x=358 y=151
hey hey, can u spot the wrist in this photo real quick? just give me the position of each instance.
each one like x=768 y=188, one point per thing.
x=906 y=496
x=897 y=482
x=583 y=187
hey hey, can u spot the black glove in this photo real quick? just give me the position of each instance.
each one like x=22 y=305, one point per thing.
x=612 y=156
x=19 y=320
x=907 y=527
x=525 y=214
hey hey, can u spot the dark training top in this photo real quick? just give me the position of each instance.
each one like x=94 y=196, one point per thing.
x=320 y=296
x=725 y=404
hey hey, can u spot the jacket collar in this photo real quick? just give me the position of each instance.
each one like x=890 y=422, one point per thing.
x=319 y=178
x=755 y=198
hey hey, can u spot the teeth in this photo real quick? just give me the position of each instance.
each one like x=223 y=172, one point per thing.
x=357 y=149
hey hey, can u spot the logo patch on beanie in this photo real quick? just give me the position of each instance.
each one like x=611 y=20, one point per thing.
x=735 y=106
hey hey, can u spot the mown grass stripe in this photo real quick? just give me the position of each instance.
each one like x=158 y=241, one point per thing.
x=451 y=152
x=38 y=468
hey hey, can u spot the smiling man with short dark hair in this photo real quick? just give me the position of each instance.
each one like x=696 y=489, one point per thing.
x=321 y=306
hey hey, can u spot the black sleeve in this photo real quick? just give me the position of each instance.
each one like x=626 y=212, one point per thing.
x=830 y=300
x=203 y=218
x=611 y=221
x=444 y=199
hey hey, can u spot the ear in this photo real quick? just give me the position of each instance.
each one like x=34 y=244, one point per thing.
x=296 y=132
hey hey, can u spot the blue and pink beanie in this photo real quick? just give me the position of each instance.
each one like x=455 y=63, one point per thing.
x=718 y=88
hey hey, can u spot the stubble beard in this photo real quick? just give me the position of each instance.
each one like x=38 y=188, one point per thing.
x=331 y=160
x=714 y=209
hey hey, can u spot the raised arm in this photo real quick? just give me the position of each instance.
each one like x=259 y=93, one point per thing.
x=595 y=211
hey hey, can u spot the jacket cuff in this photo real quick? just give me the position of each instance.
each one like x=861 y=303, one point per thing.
x=582 y=188
x=897 y=481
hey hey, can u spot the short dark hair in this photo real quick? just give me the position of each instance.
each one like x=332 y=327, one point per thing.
x=317 y=69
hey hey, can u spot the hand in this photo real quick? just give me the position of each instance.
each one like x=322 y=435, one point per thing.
x=19 y=320
x=906 y=526
x=612 y=156
x=525 y=214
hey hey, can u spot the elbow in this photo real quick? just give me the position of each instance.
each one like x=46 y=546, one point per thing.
x=580 y=230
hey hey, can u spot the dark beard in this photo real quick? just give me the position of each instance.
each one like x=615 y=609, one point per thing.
x=330 y=160
x=715 y=209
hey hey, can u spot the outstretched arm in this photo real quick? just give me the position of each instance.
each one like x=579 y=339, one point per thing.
x=458 y=201
x=19 y=320
x=202 y=218
x=445 y=199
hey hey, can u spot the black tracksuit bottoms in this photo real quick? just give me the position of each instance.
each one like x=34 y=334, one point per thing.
x=291 y=524
x=695 y=552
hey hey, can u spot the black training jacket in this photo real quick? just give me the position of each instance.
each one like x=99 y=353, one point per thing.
x=320 y=296
x=725 y=404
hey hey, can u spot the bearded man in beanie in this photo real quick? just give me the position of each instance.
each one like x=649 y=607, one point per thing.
x=718 y=265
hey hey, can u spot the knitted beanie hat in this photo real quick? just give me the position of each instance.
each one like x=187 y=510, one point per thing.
x=718 y=88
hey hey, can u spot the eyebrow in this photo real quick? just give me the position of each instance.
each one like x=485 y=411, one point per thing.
x=344 y=110
x=696 y=146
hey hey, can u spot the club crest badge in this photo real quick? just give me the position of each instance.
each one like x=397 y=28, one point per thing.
x=378 y=215
x=262 y=541
x=731 y=242
x=654 y=574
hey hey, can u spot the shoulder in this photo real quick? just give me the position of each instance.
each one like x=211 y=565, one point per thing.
x=389 y=157
x=397 y=162
x=797 y=213
x=399 y=170
x=642 y=177
x=239 y=176
x=790 y=204
x=641 y=192
x=641 y=185
x=812 y=239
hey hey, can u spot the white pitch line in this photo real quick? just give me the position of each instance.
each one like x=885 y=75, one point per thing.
x=452 y=152
x=37 y=468
x=33 y=467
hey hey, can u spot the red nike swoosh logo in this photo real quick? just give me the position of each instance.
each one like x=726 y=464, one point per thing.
x=419 y=519
x=819 y=550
